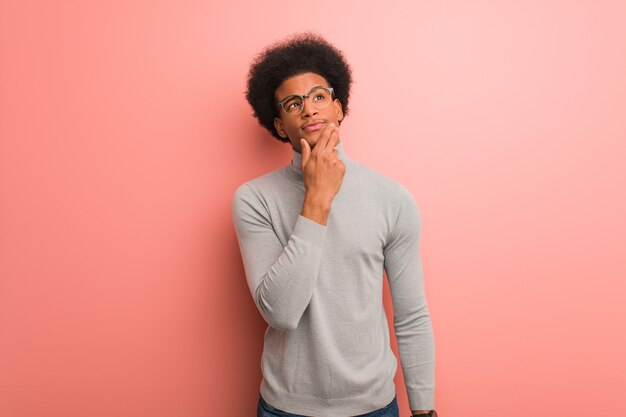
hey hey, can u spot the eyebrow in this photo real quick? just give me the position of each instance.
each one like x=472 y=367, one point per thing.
x=298 y=95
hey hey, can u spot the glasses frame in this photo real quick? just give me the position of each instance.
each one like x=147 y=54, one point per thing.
x=307 y=96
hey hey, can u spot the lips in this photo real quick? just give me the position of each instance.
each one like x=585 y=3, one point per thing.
x=310 y=127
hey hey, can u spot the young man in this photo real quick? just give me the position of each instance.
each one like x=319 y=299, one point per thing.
x=315 y=237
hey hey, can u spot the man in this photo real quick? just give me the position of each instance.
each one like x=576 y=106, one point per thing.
x=315 y=237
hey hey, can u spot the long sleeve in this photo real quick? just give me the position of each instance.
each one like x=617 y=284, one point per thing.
x=281 y=279
x=412 y=322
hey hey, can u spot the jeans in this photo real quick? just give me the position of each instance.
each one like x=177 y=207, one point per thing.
x=265 y=410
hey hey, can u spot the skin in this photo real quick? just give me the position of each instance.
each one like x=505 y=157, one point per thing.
x=322 y=170
x=291 y=126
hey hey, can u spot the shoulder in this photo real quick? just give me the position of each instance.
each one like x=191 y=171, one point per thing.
x=256 y=188
x=258 y=197
x=394 y=198
x=382 y=185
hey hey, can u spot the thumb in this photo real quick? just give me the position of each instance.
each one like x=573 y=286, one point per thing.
x=306 y=152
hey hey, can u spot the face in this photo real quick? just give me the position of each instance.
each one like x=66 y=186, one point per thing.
x=293 y=126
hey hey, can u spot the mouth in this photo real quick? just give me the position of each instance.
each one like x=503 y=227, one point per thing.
x=313 y=126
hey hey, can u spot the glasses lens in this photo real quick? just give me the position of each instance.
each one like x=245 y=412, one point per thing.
x=320 y=98
x=293 y=105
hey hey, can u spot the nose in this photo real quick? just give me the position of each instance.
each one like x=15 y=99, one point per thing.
x=308 y=109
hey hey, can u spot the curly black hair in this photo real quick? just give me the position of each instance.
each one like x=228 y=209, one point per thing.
x=295 y=55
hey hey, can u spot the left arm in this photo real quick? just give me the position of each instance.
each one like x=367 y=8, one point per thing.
x=412 y=323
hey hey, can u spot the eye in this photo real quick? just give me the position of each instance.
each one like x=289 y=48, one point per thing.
x=293 y=105
x=320 y=96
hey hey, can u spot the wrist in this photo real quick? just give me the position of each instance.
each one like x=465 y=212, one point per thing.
x=318 y=201
x=316 y=210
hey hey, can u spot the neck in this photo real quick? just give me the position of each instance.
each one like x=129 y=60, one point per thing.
x=295 y=167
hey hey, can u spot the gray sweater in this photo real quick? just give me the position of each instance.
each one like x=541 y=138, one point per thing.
x=319 y=287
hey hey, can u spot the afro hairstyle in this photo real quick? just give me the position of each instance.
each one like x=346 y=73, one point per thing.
x=295 y=55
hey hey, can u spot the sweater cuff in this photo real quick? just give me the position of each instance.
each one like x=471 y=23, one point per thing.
x=310 y=231
x=421 y=400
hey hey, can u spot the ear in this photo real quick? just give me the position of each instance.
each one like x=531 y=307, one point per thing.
x=278 y=125
x=338 y=109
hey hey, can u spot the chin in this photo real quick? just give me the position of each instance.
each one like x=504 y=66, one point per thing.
x=312 y=142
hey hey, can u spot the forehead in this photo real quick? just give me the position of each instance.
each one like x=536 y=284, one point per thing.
x=299 y=84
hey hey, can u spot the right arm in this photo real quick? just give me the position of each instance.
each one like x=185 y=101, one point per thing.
x=282 y=279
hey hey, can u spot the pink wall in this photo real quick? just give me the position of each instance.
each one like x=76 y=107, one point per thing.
x=124 y=132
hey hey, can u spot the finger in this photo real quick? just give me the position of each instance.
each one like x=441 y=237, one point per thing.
x=306 y=152
x=333 y=140
x=324 y=137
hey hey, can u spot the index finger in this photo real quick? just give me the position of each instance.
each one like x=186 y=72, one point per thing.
x=333 y=140
x=325 y=136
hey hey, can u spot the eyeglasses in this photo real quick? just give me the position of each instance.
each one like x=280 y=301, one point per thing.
x=319 y=96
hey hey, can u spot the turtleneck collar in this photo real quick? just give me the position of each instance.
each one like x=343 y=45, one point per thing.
x=295 y=167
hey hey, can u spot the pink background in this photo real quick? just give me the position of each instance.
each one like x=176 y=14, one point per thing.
x=124 y=132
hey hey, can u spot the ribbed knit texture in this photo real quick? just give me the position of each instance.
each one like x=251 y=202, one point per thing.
x=319 y=287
